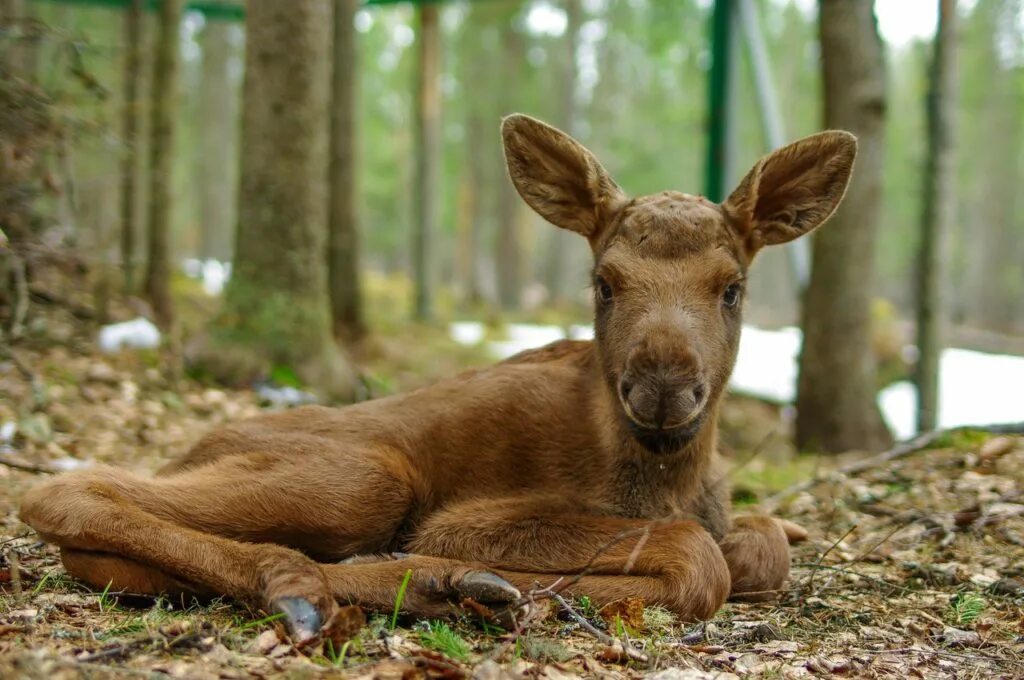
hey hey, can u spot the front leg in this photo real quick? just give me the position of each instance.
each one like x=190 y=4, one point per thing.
x=757 y=550
x=539 y=540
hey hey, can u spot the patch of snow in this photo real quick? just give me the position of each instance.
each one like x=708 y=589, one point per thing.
x=766 y=364
x=214 y=274
x=139 y=333
x=467 y=332
x=284 y=396
x=68 y=464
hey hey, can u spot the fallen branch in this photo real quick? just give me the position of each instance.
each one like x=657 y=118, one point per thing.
x=901 y=450
x=27 y=467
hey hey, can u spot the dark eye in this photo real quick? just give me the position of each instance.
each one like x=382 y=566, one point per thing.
x=604 y=291
x=731 y=296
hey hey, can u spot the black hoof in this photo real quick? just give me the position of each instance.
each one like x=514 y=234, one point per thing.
x=486 y=588
x=301 y=618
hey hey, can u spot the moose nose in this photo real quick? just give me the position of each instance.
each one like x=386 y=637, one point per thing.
x=662 y=401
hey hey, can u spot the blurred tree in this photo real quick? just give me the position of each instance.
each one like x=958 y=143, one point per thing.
x=992 y=214
x=937 y=216
x=508 y=246
x=276 y=318
x=836 y=407
x=473 y=64
x=161 y=160
x=427 y=188
x=217 y=138
x=343 y=226
x=133 y=23
x=560 y=241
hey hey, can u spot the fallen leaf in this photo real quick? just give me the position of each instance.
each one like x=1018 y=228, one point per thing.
x=630 y=611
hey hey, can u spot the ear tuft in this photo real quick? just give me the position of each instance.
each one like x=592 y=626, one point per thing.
x=793 y=190
x=557 y=176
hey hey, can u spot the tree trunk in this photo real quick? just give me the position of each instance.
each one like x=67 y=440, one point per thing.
x=18 y=57
x=836 y=407
x=938 y=214
x=277 y=312
x=133 y=25
x=508 y=257
x=161 y=161
x=219 y=99
x=426 y=193
x=560 y=241
x=343 y=249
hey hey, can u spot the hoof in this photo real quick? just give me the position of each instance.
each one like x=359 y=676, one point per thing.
x=486 y=588
x=492 y=597
x=301 y=617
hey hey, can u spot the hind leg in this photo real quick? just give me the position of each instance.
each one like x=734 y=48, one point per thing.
x=122 y=575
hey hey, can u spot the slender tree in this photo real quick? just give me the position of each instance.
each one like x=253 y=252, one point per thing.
x=473 y=214
x=343 y=241
x=217 y=160
x=161 y=160
x=129 y=131
x=426 y=192
x=836 y=407
x=938 y=214
x=276 y=313
x=560 y=241
x=508 y=252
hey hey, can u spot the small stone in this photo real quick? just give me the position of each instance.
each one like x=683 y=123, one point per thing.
x=1008 y=586
x=100 y=372
x=954 y=637
x=265 y=642
x=490 y=670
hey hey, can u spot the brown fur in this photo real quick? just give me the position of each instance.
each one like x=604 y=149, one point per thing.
x=525 y=469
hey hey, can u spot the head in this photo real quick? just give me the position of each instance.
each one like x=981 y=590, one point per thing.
x=670 y=269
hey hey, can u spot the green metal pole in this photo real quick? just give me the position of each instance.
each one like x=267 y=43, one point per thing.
x=720 y=86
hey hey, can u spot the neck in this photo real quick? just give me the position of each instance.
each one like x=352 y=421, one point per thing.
x=648 y=483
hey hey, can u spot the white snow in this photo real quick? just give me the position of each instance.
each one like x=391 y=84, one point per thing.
x=975 y=388
x=213 y=273
x=139 y=333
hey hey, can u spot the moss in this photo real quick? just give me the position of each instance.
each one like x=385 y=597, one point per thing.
x=264 y=334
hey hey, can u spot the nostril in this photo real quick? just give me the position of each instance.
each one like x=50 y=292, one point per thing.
x=698 y=393
x=625 y=387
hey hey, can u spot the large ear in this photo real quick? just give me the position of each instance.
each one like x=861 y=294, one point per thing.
x=558 y=177
x=793 y=190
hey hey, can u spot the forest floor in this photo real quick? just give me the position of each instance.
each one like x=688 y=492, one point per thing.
x=915 y=568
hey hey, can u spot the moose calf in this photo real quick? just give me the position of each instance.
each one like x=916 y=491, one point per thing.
x=553 y=462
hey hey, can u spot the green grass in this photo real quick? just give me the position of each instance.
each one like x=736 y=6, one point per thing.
x=337 y=658
x=400 y=597
x=965 y=608
x=440 y=637
x=586 y=607
x=106 y=602
x=259 y=622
